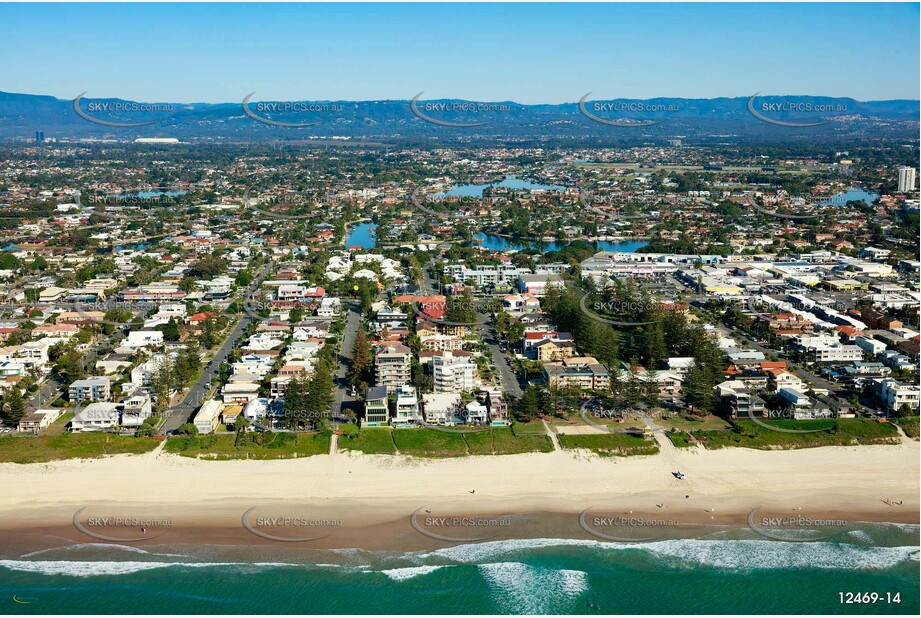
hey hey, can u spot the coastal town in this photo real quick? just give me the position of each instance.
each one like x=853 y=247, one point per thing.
x=224 y=302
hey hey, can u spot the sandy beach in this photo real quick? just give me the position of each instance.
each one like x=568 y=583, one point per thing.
x=369 y=501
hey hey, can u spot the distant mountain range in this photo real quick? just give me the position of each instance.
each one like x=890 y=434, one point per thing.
x=452 y=121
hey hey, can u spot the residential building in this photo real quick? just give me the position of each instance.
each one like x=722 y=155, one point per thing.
x=136 y=409
x=377 y=407
x=407 y=406
x=895 y=394
x=580 y=372
x=96 y=388
x=209 y=416
x=39 y=420
x=454 y=374
x=98 y=416
x=392 y=365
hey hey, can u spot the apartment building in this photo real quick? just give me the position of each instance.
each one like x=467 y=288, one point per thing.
x=580 y=372
x=97 y=388
x=895 y=394
x=454 y=374
x=392 y=365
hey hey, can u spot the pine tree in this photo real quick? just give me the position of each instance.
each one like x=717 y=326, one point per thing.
x=14 y=406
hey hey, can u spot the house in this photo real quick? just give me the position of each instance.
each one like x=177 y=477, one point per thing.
x=64 y=331
x=377 y=407
x=407 y=406
x=143 y=339
x=209 y=416
x=240 y=392
x=738 y=400
x=441 y=408
x=497 y=407
x=679 y=365
x=39 y=420
x=97 y=388
x=136 y=409
x=98 y=416
x=329 y=307
x=476 y=413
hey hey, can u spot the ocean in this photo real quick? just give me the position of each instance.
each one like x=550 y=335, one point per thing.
x=723 y=571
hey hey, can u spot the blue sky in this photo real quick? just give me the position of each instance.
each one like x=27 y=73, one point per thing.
x=528 y=53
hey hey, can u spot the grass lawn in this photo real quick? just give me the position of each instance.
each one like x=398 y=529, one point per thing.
x=37 y=449
x=678 y=438
x=425 y=442
x=688 y=422
x=909 y=425
x=251 y=445
x=371 y=441
x=506 y=441
x=837 y=432
x=611 y=444
x=531 y=428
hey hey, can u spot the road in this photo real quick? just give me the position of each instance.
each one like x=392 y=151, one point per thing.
x=179 y=414
x=341 y=396
x=507 y=377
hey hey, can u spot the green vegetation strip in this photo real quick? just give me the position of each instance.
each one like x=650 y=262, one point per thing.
x=253 y=445
x=834 y=432
x=39 y=449
x=611 y=444
x=458 y=442
x=909 y=425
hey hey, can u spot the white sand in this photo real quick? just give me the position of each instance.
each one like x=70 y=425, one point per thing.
x=844 y=480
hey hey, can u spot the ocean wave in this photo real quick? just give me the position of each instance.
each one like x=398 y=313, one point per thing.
x=526 y=589
x=89 y=568
x=95 y=547
x=764 y=555
x=726 y=554
x=405 y=573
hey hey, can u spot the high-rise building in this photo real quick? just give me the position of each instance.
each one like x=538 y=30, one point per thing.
x=393 y=364
x=906 y=179
x=39 y=137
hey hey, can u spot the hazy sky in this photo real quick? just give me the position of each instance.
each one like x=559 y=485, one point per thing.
x=528 y=53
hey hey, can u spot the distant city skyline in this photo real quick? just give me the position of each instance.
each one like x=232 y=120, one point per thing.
x=526 y=53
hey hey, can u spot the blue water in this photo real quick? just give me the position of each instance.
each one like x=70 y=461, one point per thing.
x=852 y=195
x=150 y=194
x=509 y=182
x=725 y=572
x=501 y=243
x=362 y=235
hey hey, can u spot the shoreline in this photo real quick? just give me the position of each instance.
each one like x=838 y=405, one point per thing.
x=374 y=497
